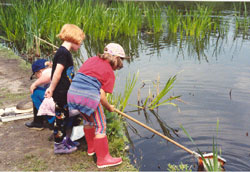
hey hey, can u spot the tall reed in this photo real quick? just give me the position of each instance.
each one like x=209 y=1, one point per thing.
x=104 y=21
x=154 y=20
x=195 y=23
x=242 y=20
x=100 y=20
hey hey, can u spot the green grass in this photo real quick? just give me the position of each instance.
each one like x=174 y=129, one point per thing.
x=32 y=163
x=80 y=161
x=101 y=21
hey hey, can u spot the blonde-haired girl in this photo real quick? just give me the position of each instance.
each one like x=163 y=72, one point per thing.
x=87 y=93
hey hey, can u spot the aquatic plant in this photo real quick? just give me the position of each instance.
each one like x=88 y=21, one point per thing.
x=173 y=19
x=196 y=23
x=208 y=164
x=129 y=19
x=194 y=27
x=115 y=123
x=124 y=22
x=102 y=21
x=242 y=21
x=154 y=21
x=156 y=101
x=152 y=103
x=180 y=167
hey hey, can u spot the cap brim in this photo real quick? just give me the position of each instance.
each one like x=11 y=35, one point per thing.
x=31 y=77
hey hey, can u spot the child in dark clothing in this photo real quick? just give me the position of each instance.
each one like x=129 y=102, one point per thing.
x=62 y=74
x=87 y=93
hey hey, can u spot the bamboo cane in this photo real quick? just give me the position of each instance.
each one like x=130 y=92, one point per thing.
x=198 y=156
x=154 y=131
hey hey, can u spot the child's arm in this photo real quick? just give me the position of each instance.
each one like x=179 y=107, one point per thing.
x=56 y=77
x=105 y=102
x=43 y=79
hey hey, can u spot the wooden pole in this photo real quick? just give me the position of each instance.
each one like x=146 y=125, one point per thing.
x=154 y=131
x=206 y=156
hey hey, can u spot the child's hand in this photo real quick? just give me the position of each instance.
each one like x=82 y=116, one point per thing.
x=48 y=93
x=112 y=108
x=32 y=88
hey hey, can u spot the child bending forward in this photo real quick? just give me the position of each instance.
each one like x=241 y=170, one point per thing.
x=87 y=93
x=41 y=68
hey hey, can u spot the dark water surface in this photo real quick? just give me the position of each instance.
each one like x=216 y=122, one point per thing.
x=213 y=80
x=214 y=86
x=214 y=83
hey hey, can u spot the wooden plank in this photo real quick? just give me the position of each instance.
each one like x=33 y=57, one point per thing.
x=16 y=117
x=7 y=110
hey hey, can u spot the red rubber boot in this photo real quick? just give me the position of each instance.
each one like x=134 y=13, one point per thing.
x=104 y=159
x=89 y=136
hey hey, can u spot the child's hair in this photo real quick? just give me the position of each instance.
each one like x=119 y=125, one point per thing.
x=115 y=61
x=71 y=33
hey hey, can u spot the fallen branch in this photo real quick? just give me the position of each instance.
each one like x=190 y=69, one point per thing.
x=46 y=42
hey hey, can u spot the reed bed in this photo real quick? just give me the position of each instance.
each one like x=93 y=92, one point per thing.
x=22 y=20
x=100 y=20
x=196 y=23
x=154 y=20
x=242 y=21
x=115 y=123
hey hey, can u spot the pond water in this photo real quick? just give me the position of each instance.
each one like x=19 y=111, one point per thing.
x=213 y=82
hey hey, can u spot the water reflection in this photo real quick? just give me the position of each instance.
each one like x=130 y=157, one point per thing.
x=166 y=129
x=130 y=45
x=217 y=88
x=210 y=45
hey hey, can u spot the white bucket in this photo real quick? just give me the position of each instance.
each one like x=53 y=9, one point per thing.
x=77 y=133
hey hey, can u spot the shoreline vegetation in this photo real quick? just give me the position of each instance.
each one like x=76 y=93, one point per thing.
x=22 y=23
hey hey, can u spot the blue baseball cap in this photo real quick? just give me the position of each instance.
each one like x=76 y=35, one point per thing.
x=38 y=65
